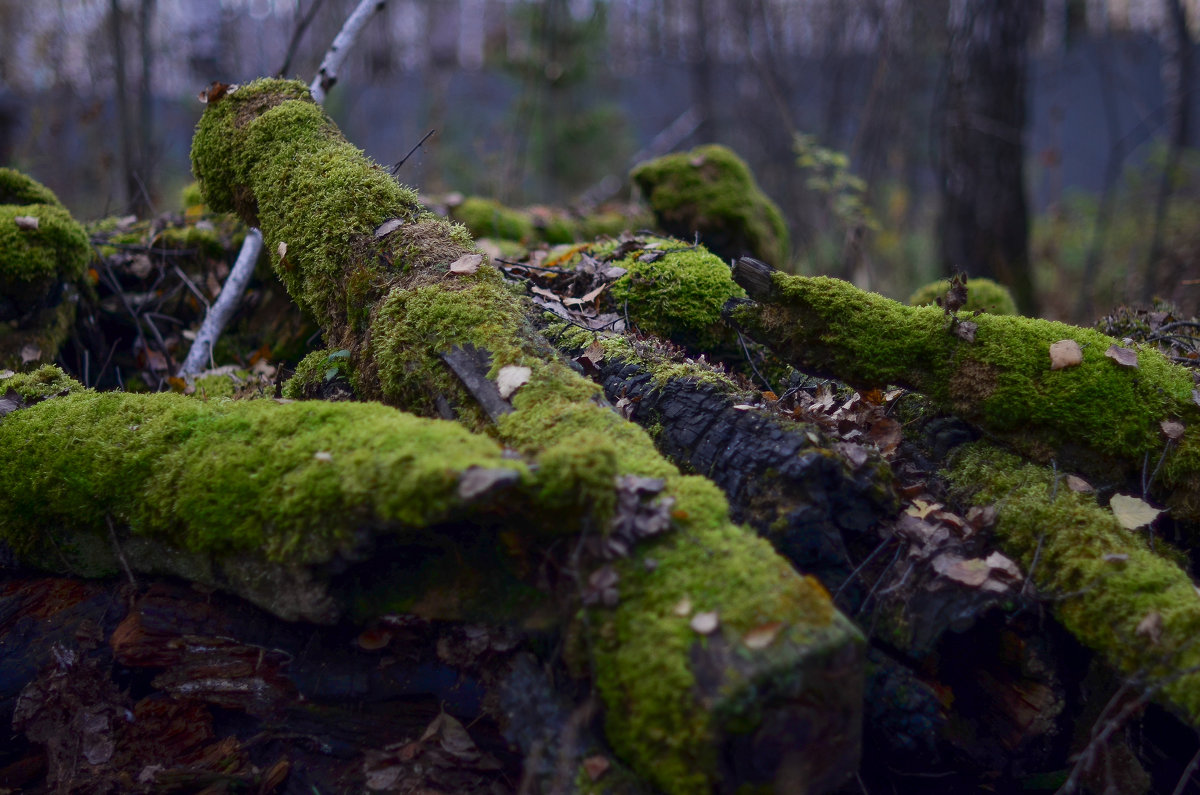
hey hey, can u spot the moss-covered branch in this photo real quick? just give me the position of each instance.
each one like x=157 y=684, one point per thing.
x=270 y=501
x=678 y=700
x=1098 y=416
x=1140 y=611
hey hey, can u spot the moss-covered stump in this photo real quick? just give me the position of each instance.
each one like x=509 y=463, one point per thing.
x=710 y=643
x=1097 y=416
x=983 y=295
x=1138 y=610
x=710 y=191
x=310 y=510
x=43 y=250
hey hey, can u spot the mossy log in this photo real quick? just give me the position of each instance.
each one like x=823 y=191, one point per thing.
x=683 y=707
x=311 y=510
x=1099 y=416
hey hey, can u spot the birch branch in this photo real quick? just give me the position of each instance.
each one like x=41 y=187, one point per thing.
x=222 y=309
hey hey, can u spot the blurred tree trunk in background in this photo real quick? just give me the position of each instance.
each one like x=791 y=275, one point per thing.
x=984 y=227
x=1178 y=84
x=136 y=139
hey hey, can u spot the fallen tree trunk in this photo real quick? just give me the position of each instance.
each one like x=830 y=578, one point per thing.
x=1095 y=415
x=708 y=640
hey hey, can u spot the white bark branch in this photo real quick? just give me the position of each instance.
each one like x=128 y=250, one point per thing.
x=327 y=75
x=200 y=354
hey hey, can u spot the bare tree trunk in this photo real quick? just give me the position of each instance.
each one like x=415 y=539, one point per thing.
x=1177 y=82
x=145 y=131
x=703 y=89
x=128 y=157
x=984 y=219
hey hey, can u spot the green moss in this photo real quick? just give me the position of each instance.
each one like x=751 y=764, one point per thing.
x=1097 y=415
x=191 y=197
x=295 y=482
x=983 y=295
x=206 y=240
x=489 y=218
x=314 y=370
x=711 y=191
x=679 y=295
x=17 y=188
x=39 y=384
x=35 y=261
x=1100 y=601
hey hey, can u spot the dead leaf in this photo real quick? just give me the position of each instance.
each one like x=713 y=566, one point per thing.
x=1172 y=429
x=1076 y=483
x=965 y=330
x=762 y=636
x=466 y=264
x=1113 y=557
x=971 y=572
x=683 y=608
x=1151 y=627
x=1133 y=512
x=387 y=226
x=281 y=250
x=26 y=222
x=373 y=639
x=596 y=766
x=1065 y=353
x=1003 y=566
x=920 y=508
x=1126 y=357
x=886 y=433
x=10 y=402
x=982 y=517
x=323 y=455
x=30 y=353
x=706 y=623
x=141 y=266
x=511 y=378
x=476 y=481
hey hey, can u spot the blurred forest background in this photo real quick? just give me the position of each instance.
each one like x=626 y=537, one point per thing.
x=1052 y=143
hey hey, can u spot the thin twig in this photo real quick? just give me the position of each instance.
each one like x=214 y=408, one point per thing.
x=297 y=35
x=396 y=168
x=195 y=290
x=112 y=533
x=750 y=361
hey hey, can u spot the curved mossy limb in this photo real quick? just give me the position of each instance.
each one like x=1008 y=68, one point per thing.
x=1104 y=580
x=252 y=495
x=983 y=295
x=711 y=191
x=679 y=703
x=1098 y=416
x=18 y=188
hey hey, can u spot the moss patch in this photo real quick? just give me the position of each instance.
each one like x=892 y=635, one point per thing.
x=489 y=218
x=1101 y=601
x=711 y=191
x=676 y=291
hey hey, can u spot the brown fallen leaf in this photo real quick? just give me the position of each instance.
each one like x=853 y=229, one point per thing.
x=1126 y=357
x=1132 y=512
x=762 y=636
x=1065 y=353
x=466 y=264
x=706 y=623
x=511 y=378
x=1151 y=627
x=971 y=572
x=1172 y=429
x=388 y=226
x=1076 y=483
